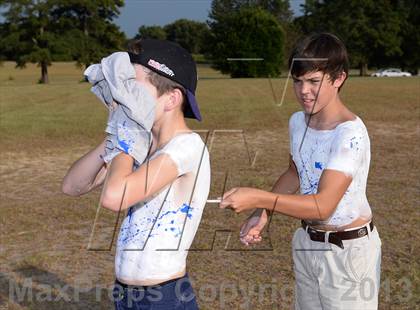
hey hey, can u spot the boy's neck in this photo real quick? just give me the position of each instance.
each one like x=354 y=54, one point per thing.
x=334 y=113
x=167 y=128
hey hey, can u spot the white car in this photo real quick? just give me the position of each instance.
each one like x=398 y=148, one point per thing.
x=390 y=72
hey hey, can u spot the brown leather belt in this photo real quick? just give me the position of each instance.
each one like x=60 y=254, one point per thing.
x=336 y=237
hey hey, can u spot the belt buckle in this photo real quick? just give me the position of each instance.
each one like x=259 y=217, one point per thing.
x=362 y=232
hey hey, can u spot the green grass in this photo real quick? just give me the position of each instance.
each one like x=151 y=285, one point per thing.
x=51 y=112
x=44 y=128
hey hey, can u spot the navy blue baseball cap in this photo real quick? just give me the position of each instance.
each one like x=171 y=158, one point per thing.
x=174 y=62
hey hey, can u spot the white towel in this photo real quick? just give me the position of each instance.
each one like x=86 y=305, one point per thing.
x=130 y=122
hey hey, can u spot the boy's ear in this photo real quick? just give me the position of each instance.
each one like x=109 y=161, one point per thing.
x=340 y=80
x=175 y=99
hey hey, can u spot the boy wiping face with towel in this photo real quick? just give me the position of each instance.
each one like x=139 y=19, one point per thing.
x=165 y=196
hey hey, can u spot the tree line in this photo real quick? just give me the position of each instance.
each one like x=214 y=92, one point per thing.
x=243 y=38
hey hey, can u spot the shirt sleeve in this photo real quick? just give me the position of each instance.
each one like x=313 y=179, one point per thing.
x=185 y=150
x=347 y=149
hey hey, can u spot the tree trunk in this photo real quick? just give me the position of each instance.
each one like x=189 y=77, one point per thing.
x=363 y=69
x=44 y=73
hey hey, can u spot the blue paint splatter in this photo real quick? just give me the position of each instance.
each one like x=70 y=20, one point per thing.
x=352 y=142
x=166 y=213
x=123 y=145
x=130 y=235
x=130 y=213
x=186 y=208
x=318 y=165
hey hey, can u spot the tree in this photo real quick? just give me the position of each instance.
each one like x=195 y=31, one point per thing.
x=250 y=32
x=89 y=28
x=31 y=34
x=189 y=34
x=41 y=31
x=3 y=33
x=410 y=35
x=370 y=29
x=151 y=32
x=280 y=9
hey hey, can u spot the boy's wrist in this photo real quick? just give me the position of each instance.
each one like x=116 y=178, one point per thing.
x=102 y=152
x=266 y=200
x=270 y=203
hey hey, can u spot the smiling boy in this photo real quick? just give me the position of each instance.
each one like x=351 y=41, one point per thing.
x=165 y=196
x=337 y=251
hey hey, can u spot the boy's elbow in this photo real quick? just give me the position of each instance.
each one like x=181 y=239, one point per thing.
x=326 y=212
x=109 y=202
x=112 y=201
x=69 y=190
x=324 y=217
x=117 y=197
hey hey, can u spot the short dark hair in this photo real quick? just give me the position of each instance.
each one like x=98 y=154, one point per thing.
x=162 y=84
x=319 y=45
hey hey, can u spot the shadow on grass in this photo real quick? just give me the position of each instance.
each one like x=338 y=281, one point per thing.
x=35 y=288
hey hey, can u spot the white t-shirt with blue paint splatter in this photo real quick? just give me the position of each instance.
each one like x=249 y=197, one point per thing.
x=346 y=149
x=155 y=236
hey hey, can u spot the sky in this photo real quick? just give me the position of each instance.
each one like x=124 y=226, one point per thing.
x=136 y=13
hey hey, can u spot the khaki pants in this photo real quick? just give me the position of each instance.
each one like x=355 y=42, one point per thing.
x=328 y=277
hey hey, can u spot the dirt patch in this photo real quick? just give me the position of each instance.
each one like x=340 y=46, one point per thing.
x=45 y=234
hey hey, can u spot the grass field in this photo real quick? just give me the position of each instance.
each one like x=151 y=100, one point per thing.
x=44 y=234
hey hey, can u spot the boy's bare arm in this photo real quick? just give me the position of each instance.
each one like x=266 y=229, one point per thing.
x=86 y=173
x=288 y=182
x=320 y=206
x=124 y=188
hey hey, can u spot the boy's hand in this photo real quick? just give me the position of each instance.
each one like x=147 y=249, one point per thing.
x=119 y=138
x=241 y=199
x=111 y=123
x=251 y=230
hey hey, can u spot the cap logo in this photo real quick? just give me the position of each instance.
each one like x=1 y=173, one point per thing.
x=160 y=67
